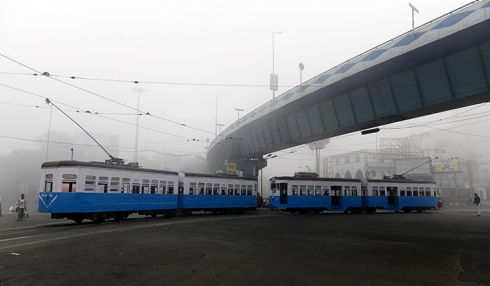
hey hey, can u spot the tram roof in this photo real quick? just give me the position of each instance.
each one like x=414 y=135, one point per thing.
x=54 y=164
x=404 y=181
x=316 y=179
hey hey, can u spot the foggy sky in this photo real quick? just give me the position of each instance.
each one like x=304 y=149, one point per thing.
x=209 y=42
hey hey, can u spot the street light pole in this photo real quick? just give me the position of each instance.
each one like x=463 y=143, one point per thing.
x=274 y=78
x=413 y=15
x=71 y=149
x=301 y=68
x=238 y=112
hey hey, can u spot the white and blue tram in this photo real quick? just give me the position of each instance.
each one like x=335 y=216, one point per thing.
x=97 y=191
x=304 y=194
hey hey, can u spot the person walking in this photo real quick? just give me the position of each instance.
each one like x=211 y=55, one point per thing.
x=476 y=201
x=21 y=207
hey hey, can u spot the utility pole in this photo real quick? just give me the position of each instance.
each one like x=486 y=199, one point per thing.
x=238 y=110
x=274 y=79
x=138 y=90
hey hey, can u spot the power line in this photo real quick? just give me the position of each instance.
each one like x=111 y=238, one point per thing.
x=76 y=109
x=46 y=74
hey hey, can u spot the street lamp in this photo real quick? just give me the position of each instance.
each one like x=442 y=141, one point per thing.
x=71 y=149
x=274 y=79
x=301 y=68
x=238 y=112
x=413 y=15
x=219 y=125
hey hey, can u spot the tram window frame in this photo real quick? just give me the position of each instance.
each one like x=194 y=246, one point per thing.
x=421 y=192
x=310 y=189
x=347 y=191
x=382 y=191
x=114 y=185
x=145 y=188
x=201 y=188
x=364 y=191
x=415 y=192
x=125 y=188
x=89 y=185
x=374 y=191
x=249 y=190
x=318 y=190
x=216 y=189
x=135 y=188
x=273 y=188
x=50 y=183
x=162 y=187
x=427 y=192
x=154 y=187
x=68 y=186
x=243 y=190
x=170 y=187
x=223 y=190
x=192 y=188
x=295 y=190
x=302 y=190
x=104 y=182
x=230 y=189
x=409 y=191
x=353 y=191
x=326 y=191
x=237 y=190
x=209 y=189
x=402 y=193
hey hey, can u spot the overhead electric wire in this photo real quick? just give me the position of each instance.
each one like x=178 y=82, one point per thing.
x=46 y=74
x=76 y=109
x=118 y=148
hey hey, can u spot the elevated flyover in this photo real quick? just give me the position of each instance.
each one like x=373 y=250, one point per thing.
x=441 y=65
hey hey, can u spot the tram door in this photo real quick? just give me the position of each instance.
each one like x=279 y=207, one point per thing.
x=337 y=192
x=392 y=194
x=283 y=193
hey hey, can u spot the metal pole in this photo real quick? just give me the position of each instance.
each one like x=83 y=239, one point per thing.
x=136 y=139
x=261 y=185
x=317 y=154
x=273 y=71
x=49 y=131
x=71 y=154
x=216 y=119
x=300 y=76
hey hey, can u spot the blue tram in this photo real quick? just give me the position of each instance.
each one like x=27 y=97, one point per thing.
x=98 y=191
x=304 y=194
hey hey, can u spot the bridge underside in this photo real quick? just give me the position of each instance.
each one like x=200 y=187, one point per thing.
x=449 y=73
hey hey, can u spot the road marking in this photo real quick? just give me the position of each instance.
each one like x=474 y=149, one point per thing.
x=126 y=228
x=32 y=226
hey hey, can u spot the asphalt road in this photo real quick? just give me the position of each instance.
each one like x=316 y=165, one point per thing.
x=450 y=247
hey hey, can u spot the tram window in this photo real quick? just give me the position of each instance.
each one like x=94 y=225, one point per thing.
x=48 y=176
x=146 y=181
x=427 y=192
x=192 y=188
x=68 y=186
x=215 y=189
x=347 y=191
x=223 y=190
x=136 y=188
x=237 y=190
x=311 y=190
x=325 y=191
x=209 y=189
x=302 y=190
x=170 y=187
x=273 y=188
x=153 y=186
x=243 y=190
x=354 y=190
x=101 y=178
x=402 y=193
x=125 y=188
x=295 y=190
x=415 y=191
x=421 y=192
x=70 y=177
x=364 y=191
x=89 y=183
x=48 y=186
x=101 y=187
x=382 y=191
x=249 y=190
x=201 y=188
x=375 y=191
x=145 y=189
x=114 y=187
x=162 y=187
x=230 y=189
x=318 y=190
